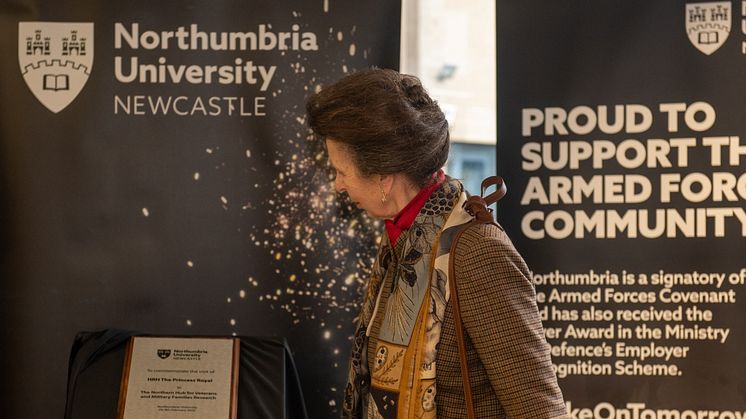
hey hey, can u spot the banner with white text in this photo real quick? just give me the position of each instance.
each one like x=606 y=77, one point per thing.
x=622 y=138
x=157 y=175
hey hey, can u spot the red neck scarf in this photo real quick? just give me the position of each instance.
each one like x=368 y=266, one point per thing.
x=404 y=219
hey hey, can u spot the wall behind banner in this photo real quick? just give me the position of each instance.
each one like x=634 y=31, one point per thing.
x=621 y=137
x=177 y=193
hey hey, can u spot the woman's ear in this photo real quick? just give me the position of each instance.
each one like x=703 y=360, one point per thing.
x=386 y=182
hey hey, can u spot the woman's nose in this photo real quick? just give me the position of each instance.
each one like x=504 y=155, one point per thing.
x=338 y=185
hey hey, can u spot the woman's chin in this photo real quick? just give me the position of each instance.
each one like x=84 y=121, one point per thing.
x=379 y=216
x=369 y=213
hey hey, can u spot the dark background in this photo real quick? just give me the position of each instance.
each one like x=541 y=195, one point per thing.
x=78 y=253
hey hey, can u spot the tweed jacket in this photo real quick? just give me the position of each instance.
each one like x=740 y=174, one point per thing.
x=509 y=361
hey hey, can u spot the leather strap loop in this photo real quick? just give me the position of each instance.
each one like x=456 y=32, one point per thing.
x=500 y=189
x=476 y=206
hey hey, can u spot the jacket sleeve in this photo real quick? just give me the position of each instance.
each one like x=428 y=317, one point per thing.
x=498 y=308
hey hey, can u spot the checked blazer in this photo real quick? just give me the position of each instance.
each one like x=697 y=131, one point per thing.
x=509 y=361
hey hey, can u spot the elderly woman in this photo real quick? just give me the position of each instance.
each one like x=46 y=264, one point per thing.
x=387 y=141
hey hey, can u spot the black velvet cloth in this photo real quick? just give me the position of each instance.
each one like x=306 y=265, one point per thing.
x=268 y=384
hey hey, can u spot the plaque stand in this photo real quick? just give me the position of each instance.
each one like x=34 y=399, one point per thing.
x=192 y=376
x=268 y=381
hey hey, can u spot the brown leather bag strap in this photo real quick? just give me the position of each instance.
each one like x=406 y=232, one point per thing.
x=459 y=325
x=476 y=206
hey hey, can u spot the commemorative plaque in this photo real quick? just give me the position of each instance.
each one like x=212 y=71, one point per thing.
x=167 y=377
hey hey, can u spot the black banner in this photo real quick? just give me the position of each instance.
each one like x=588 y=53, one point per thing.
x=157 y=176
x=622 y=138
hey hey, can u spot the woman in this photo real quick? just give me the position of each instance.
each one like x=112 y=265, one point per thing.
x=387 y=141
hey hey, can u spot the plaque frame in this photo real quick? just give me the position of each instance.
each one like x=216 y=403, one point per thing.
x=234 y=370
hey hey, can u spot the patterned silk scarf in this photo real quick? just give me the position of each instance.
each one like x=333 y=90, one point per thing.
x=392 y=368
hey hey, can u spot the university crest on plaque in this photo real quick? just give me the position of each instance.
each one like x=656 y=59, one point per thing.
x=56 y=59
x=164 y=353
x=708 y=25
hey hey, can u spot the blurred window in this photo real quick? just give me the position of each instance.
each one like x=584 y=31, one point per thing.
x=450 y=46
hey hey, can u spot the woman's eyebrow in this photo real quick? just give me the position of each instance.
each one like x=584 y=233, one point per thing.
x=334 y=166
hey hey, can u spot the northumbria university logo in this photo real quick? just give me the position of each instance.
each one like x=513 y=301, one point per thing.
x=708 y=25
x=56 y=59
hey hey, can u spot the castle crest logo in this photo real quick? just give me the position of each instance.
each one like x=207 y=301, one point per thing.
x=56 y=59
x=708 y=25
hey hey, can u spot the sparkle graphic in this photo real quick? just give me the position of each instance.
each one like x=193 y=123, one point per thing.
x=309 y=250
x=320 y=245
